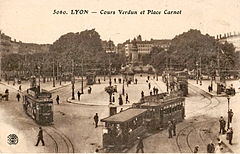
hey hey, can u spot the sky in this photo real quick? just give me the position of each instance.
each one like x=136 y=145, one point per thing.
x=33 y=21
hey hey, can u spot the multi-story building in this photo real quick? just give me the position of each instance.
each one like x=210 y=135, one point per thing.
x=7 y=46
x=108 y=46
x=143 y=47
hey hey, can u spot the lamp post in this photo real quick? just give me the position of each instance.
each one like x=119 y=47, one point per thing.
x=123 y=90
x=53 y=75
x=60 y=81
x=228 y=122
x=39 y=74
x=197 y=72
x=73 y=80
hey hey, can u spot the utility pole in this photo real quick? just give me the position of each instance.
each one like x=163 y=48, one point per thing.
x=82 y=77
x=200 y=71
x=60 y=80
x=73 y=80
x=57 y=71
x=0 y=63
x=110 y=80
x=53 y=74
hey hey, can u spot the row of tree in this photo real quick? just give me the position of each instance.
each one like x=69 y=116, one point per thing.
x=191 y=48
x=85 y=49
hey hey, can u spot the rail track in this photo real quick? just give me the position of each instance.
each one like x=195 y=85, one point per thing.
x=62 y=143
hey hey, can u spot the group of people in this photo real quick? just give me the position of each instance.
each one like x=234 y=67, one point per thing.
x=171 y=128
x=229 y=132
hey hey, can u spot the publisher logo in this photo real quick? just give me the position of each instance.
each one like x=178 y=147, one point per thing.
x=12 y=139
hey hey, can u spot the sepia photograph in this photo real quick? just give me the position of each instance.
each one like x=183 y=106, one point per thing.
x=125 y=76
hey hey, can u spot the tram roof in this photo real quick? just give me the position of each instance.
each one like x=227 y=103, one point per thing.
x=163 y=102
x=124 y=116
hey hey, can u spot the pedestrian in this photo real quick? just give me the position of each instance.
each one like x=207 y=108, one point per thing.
x=209 y=148
x=57 y=99
x=151 y=93
x=209 y=88
x=113 y=98
x=120 y=101
x=156 y=91
x=170 y=128
x=174 y=127
x=40 y=137
x=230 y=135
x=6 y=94
x=127 y=98
x=142 y=94
x=148 y=77
x=99 y=81
x=222 y=125
x=115 y=80
x=140 y=145
x=149 y=85
x=127 y=83
x=96 y=119
x=78 y=94
x=20 y=88
x=213 y=147
x=230 y=115
x=119 y=80
x=196 y=149
x=136 y=81
x=18 y=97
x=121 y=109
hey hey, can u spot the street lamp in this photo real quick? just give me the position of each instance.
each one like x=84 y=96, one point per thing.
x=197 y=72
x=228 y=122
x=60 y=81
x=123 y=90
x=39 y=75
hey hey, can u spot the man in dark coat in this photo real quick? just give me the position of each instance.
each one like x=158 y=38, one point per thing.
x=96 y=119
x=230 y=135
x=57 y=99
x=120 y=100
x=140 y=145
x=40 y=137
x=174 y=127
x=18 y=97
x=142 y=94
x=222 y=125
x=170 y=128
x=79 y=94
x=230 y=115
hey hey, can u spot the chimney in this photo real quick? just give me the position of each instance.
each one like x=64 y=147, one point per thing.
x=220 y=36
x=217 y=37
x=230 y=34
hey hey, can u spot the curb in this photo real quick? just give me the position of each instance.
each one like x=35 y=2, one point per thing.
x=87 y=104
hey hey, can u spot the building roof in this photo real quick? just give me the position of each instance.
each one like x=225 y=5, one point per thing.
x=124 y=116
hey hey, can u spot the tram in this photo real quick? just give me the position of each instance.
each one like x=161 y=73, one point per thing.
x=38 y=105
x=123 y=128
x=151 y=113
x=161 y=109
